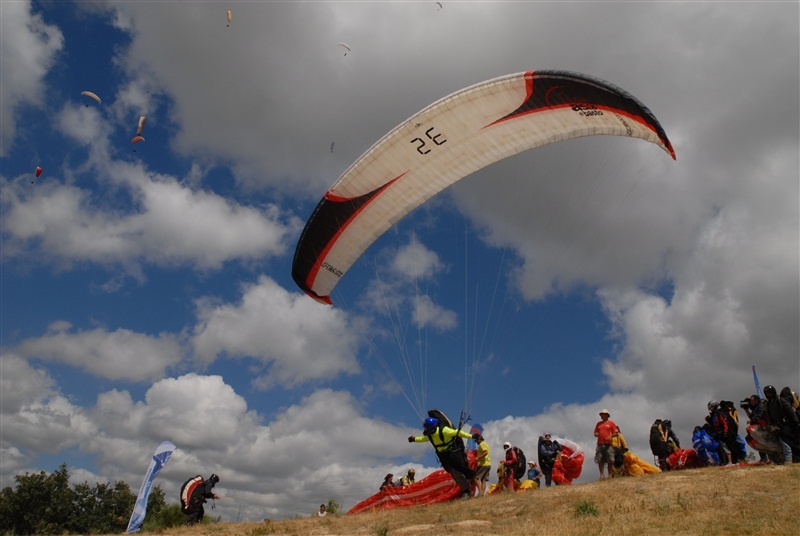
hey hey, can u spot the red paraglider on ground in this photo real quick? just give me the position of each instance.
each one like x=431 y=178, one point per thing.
x=568 y=468
x=437 y=487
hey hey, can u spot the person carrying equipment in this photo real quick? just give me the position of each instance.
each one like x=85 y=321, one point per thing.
x=194 y=493
x=511 y=464
x=450 y=451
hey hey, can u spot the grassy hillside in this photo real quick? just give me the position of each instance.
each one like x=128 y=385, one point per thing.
x=730 y=500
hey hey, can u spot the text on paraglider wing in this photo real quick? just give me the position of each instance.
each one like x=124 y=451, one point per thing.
x=625 y=123
x=586 y=110
x=435 y=137
x=331 y=269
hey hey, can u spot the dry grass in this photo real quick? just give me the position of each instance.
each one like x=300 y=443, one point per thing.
x=753 y=500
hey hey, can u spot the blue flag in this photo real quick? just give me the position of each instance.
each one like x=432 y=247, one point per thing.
x=160 y=457
x=759 y=392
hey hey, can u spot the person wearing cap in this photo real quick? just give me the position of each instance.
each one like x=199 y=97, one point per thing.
x=510 y=464
x=408 y=479
x=484 y=462
x=450 y=452
x=604 y=431
x=534 y=473
x=549 y=452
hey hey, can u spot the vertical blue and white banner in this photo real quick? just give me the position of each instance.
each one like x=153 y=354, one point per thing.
x=759 y=392
x=160 y=457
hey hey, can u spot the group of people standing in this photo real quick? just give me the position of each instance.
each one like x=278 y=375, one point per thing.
x=448 y=444
x=780 y=414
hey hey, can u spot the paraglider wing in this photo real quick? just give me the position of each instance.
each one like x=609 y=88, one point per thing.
x=160 y=457
x=346 y=47
x=437 y=487
x=91 y=96
x=572 y=457
x=38 y=171
x=476 y=429
x=229 y=17
x=447 y=141
x=136 y=139
x=142 y=120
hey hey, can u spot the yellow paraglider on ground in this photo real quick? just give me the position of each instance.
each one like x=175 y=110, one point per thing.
x=635 y=466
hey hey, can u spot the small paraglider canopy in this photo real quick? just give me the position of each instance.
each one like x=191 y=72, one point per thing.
x=332 y=144
x=346 y=47
x=140 y=127
x=229 y=18
x=36 y=174
x=136 y=139
x=91 y=96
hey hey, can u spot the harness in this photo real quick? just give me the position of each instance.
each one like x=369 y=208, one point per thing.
x=445 y=445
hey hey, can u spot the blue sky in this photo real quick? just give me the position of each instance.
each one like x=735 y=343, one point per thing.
x=146 y=290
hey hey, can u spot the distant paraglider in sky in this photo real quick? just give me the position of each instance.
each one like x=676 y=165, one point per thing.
x=346 y=47
x=229 y=18
x=332 y=144
x=440 y=5
x=449 y=140
x=140 y=127
x=36 y=174
x=91 y=96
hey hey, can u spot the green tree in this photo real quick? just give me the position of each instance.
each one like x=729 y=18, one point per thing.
x=45 y=504
x=40 y=503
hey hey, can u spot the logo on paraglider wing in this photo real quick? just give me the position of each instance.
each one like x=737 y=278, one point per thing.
x=628 y=128
x=331 y=269
x=555 y=96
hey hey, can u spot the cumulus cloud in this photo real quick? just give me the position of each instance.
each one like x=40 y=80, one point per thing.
x=275 y=467
x=295 y=338
x=29 y=49
x=36 y=416
x=117 y=355
x=170 y=224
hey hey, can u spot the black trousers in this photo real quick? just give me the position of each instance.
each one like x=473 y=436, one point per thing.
x=455 y=463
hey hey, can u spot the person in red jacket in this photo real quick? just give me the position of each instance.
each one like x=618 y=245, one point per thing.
x=604 y=431
x=511 y=463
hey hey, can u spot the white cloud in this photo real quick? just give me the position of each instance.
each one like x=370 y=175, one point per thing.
x=117 y=355
x=296 y=338
x=427 y=313
x=171 y=224
x=415 y=262
x=37 y=418
x=29 y=49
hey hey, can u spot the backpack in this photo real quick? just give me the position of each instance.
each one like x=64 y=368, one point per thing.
x=187 y=490
x=522 y=463
x=731 y=415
